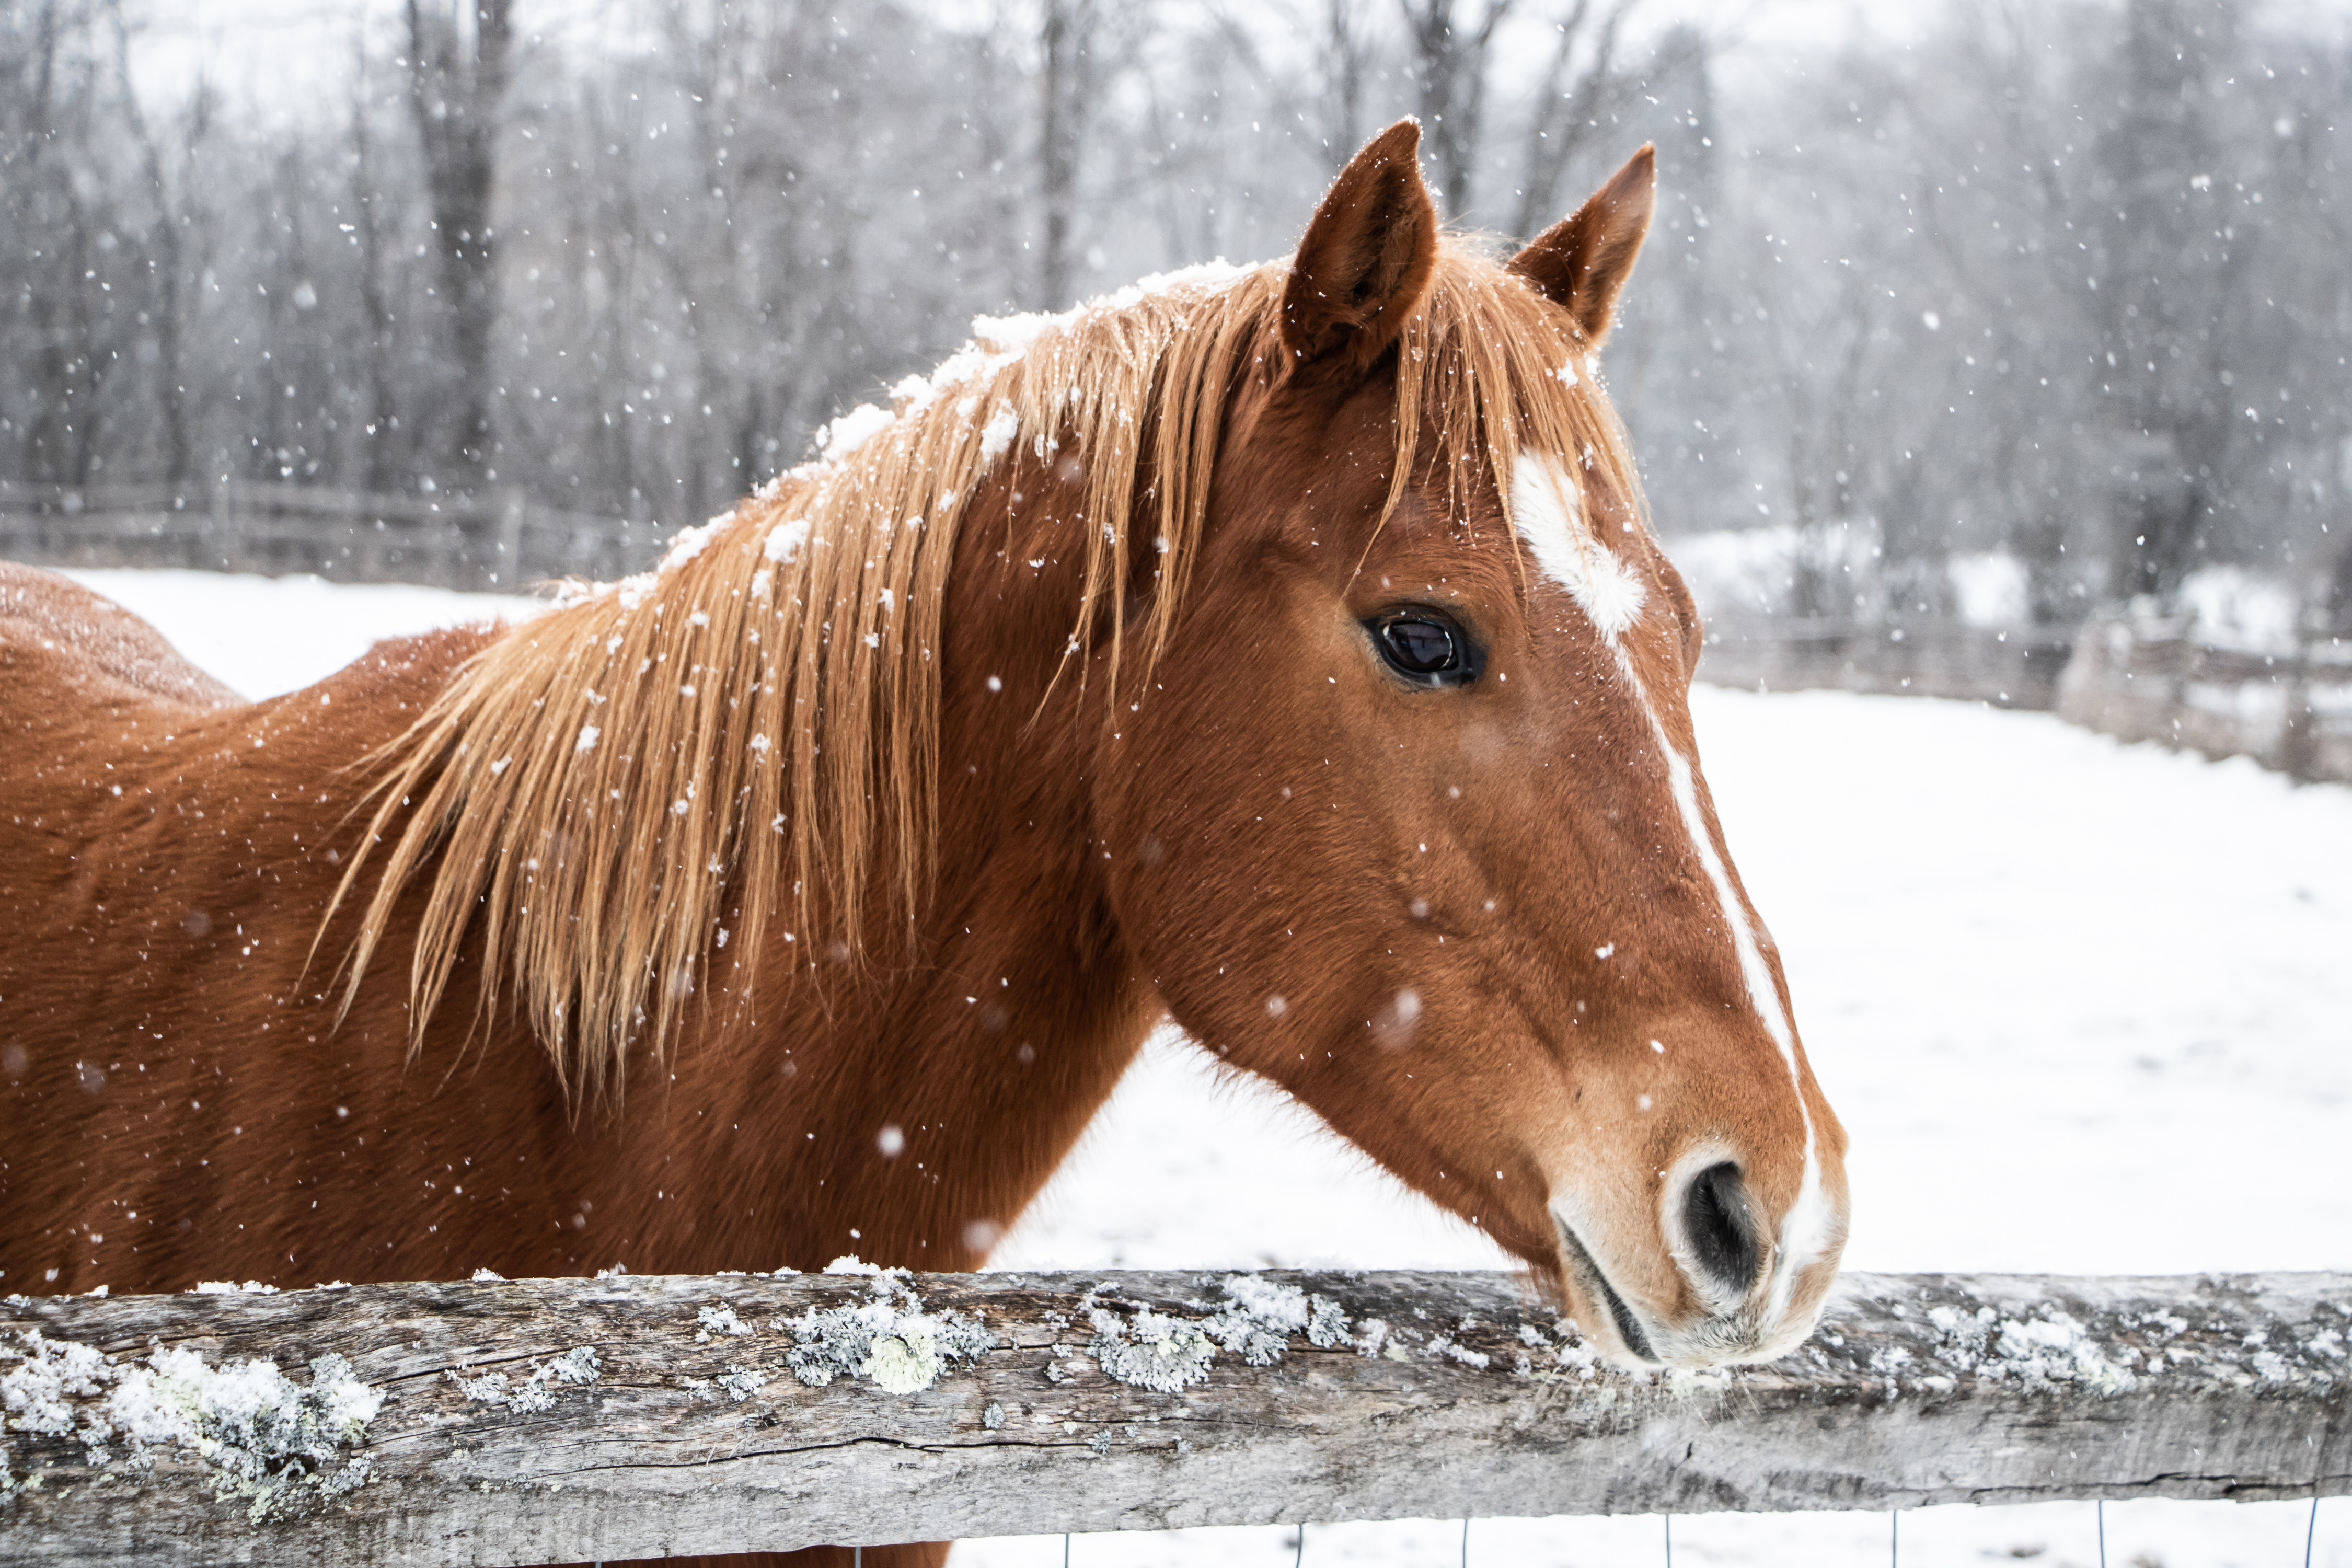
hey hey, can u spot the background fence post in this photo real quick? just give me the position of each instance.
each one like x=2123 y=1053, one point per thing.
x=224 y=541
x=512 y=507
x=2298 y=750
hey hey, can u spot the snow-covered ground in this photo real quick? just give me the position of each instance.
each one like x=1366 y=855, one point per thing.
x=264 y=636
x=2083 y=1007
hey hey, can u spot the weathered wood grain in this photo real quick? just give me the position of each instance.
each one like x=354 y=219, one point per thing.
x=498 y=1441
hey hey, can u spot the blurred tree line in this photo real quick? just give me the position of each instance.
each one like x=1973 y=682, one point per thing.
x=2066 y=281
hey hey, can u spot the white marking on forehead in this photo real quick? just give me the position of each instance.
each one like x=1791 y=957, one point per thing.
x=1545 y=506
x=1805 y=1229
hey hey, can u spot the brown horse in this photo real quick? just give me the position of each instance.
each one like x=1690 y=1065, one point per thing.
x=1281 y=650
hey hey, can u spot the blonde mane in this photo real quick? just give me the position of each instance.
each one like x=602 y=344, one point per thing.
x=637 y=786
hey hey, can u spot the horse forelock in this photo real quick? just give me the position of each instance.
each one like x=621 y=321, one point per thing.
x=633 y=798
x=1496 y=370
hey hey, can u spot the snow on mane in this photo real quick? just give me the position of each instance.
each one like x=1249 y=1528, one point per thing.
x=997 y=342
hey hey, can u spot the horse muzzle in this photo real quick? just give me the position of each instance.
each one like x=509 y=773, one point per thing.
x=1712 y=1284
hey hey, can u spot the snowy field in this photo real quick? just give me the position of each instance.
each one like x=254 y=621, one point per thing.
x=2084 y=1008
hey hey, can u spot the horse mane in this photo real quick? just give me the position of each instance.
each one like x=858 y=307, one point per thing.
x=628 y=790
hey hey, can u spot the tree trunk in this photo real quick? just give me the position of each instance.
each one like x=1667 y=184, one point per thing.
x=1346 y=61
x=171 y=220
x=1449 y=66
x=1570 y=98
x=380 y=420
x=456 y=79
x=1066 y=37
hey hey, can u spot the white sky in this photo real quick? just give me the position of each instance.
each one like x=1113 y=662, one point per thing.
x=295 y=57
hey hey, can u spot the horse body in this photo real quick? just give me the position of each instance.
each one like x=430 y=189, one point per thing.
x=1284 y=653
x=171 y=1035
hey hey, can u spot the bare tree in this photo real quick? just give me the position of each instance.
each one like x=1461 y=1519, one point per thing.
x=371 y=240
x=173 y=202
x=1347 y=58
x=52 y=137
x=2169 y=235
x=1580 y=87
x=458 y=78
x=2068 y=284
x=1066 y=93
x=1449 y=68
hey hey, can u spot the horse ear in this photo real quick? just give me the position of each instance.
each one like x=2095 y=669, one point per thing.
x=1367 y=258
x=1584 y=261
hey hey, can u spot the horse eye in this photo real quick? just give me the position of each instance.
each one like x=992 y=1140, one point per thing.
x=1425 y=647
x=1420 y=647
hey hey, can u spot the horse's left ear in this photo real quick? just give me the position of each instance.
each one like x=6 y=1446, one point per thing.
x=1584 y=261
x=1367 y=258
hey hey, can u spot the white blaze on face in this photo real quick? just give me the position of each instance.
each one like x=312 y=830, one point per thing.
x=1545 y=507
x=1546 y=504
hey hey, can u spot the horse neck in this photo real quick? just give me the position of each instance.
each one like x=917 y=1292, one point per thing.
x=915 y=1101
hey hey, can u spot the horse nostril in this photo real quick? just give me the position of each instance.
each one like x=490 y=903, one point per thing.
x=1714 y=1215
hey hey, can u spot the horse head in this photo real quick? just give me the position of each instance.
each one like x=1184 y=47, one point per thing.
x=1410 y=820
x=1393 y=799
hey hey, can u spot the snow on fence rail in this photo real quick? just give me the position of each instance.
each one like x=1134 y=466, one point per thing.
x=504 y=540
x=545 y=1420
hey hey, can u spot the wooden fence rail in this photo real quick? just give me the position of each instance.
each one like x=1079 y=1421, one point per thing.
x=2156 y=677
x=547 y=1421
x=2011 y=667
x=503 y=540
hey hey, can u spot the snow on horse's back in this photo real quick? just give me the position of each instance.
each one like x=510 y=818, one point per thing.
x=1280 y=648
x=67 y=647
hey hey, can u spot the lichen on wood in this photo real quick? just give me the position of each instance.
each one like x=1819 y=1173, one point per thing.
x=536 y=1421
